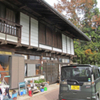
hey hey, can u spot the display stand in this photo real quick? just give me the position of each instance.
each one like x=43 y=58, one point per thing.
x=32 y=87
x=22 y=88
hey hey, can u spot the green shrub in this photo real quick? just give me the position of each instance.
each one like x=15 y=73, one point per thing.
x=39 y=81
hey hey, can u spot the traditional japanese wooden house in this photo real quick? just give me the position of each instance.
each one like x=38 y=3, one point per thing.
x=34 y=40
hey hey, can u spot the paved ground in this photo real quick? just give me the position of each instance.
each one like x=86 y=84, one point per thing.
x=50 y=94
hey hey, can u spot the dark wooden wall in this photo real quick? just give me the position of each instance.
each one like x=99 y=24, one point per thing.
x=2 y=11
x=9 y=14
x=42 y=34
x=49 y=37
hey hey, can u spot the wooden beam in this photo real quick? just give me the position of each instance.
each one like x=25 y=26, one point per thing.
x=69 y=34
x=2 y=0
x=74 y=55
x=3 y=42
x=67 y=54
x=22 y=7
x=10 y=22
x=30 y=47
x=18 y=8
x=35 y=4
x=9 y=3
x=45 y=13
x=47 y=50
x=63 y=54
x=53 y=52
x=18 y=45
x=71 y=57
x=39 y=49
x=42 y=9
x=58 y=53
x=30 y=10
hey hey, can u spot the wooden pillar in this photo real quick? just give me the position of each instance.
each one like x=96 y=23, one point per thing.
x=41 y=67
x=70 y=58
x=59 y=69
x=19 y=34
x=60 y=65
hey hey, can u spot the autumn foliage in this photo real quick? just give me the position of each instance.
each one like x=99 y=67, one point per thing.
x=74 y=9
x=88 y=51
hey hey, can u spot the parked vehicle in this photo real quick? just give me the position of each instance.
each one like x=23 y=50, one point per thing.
x=80 y=82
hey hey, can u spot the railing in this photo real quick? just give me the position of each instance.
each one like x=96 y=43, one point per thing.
x=11 y=28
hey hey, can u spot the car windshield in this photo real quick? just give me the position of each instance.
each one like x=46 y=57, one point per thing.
x=77 y=73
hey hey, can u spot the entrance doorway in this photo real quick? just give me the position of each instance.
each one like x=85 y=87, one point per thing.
x=51 y=72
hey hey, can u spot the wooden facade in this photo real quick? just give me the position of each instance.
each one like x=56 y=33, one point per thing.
x=33 y=31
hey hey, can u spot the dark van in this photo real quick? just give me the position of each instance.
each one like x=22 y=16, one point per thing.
x=79 y=82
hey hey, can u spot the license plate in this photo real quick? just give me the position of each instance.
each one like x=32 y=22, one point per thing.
x=75 y=87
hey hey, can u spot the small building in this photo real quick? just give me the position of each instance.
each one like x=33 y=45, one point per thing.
x=35 y=40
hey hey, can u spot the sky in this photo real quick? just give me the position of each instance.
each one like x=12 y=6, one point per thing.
x=51 y=2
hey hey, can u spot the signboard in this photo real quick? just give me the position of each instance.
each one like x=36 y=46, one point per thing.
x=5 y=53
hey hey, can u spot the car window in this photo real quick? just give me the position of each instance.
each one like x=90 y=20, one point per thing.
x=96 y=74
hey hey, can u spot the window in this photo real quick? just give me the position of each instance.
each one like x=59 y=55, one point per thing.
x=52 y=58
x=56 y=59
x=60 y=59
x=46 y=58
x=32 y=70
x=37 y=57
x=96 y=74
x=34 y=57
x=76 y=73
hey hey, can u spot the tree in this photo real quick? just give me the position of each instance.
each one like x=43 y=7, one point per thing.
x=74 y=9
x=87 y=52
